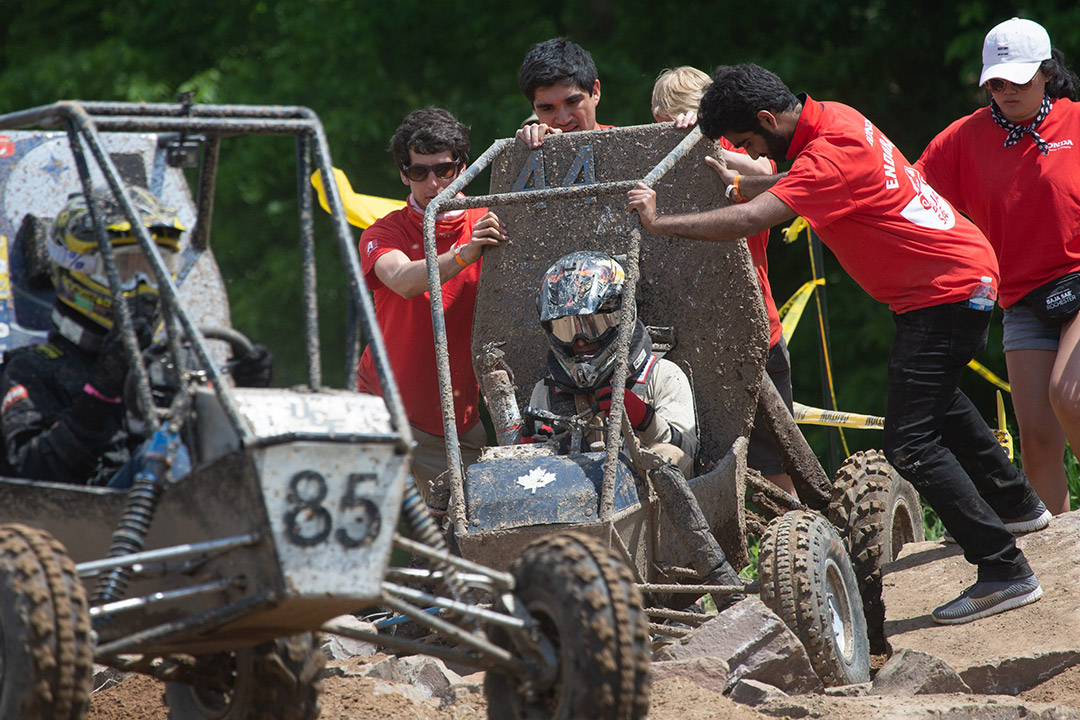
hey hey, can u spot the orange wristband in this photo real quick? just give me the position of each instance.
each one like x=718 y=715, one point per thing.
x=457 y=256
x=735 y=190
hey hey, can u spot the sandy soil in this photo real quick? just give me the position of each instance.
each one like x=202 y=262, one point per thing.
x=139 y=698
x=920 y=578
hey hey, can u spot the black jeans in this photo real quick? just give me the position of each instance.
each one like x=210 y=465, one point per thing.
x=938 y=441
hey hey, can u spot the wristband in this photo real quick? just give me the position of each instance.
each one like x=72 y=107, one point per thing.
x=727 y=193
x=457 y=256
x=95 y=393
x=735 y=194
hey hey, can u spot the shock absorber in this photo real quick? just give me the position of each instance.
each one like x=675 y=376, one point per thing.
x=423 y=528
x=142 y=501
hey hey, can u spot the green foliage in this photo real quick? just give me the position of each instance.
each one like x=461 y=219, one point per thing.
x=1072 y=476
x=362 y=66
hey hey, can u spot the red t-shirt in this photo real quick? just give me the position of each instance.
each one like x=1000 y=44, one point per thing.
x=757 y=245
x=896 y=237
x=1026 y=203
x=406 y=323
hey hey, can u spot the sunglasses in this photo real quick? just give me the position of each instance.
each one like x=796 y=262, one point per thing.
x=588 y=327
x=444 y=170
x=997 y=84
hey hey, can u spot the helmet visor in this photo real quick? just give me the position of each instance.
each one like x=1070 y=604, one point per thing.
x=588 y=327
x=133 y=266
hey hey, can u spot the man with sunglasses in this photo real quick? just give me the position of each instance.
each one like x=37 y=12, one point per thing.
x=431 y=149
x=907 y=247
x=559 y=79
x=579 y=306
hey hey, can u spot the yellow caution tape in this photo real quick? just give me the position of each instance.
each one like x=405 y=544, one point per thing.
x=834 y=418
x=985 y=372
x=791 y=232
x=792 y=310
x=360 y=210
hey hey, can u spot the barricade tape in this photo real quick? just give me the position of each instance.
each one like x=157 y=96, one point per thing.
x=792 y=310
x=834 y=418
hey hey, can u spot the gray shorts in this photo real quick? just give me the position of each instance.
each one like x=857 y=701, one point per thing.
x=763 y=454
x=1024 y=331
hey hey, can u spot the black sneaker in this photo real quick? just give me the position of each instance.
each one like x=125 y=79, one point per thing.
x=1036 y=519
x=988 y=598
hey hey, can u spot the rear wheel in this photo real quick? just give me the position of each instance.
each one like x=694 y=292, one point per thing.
x=806 y=578
x=588 y=608
x=46 y=652
x=876 y=512
x=272 y=681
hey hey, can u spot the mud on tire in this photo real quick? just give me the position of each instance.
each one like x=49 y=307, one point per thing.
x=587 y=605
x=876 y=512
x=277 y=680
x=45 y=635
x=806 y=578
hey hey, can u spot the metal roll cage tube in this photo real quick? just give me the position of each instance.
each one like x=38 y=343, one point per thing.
x=84 y=122
x=446 y=200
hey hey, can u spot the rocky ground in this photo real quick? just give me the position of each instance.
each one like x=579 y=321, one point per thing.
x=1021 y=664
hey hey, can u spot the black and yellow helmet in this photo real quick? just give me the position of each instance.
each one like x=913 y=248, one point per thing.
x=78 y=270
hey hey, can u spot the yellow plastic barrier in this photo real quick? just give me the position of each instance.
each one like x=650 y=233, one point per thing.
x=360 y=210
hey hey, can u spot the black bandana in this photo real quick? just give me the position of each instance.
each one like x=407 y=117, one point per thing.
x=1017 y=131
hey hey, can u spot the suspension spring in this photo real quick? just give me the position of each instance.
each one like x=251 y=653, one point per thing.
x=424 y=529
x=130 y=535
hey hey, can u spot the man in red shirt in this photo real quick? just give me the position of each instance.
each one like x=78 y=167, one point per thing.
x=559 y=79
x=906 y=247
x=430 y=148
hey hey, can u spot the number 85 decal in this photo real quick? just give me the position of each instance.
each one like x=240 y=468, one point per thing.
x=308 y=522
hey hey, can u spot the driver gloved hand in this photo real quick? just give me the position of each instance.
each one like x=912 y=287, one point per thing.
x=641 y=413
x=111 y=367
x=255 y=368
x=533 y=432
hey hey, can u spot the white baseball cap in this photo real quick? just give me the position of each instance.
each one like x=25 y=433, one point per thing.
x=1014 y=50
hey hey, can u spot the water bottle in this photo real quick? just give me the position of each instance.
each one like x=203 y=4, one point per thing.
x=983 y=296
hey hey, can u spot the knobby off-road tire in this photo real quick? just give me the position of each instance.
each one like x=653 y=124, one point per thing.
x=46 y=650
x=876 y=512
x=278 y=680
x=588 y=607
x=806 y=578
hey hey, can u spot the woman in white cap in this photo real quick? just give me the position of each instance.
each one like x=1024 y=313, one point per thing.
x=1014 y=168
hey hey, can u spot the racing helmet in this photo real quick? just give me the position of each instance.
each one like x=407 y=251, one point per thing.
x=580 y=297
x=78 y=269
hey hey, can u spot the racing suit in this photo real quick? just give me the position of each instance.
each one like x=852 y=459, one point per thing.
x=53 y=429
x=662 y=384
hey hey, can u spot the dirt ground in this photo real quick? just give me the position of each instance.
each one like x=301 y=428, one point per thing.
x=139 y=698
x=920 y=577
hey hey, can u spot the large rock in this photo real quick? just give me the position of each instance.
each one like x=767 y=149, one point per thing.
x=708 y=672
x=1009 y=652
x=910 y=672
x=754 y=693
x=922 y=707
x=755 y=644
x=1014 y=675
x=426 y=675
x=339 y=647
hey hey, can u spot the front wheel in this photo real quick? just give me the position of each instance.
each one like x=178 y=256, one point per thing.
x=876 y=512
x=46 y=650
x=587 y=606
x=278 y=680
x=806 y=578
